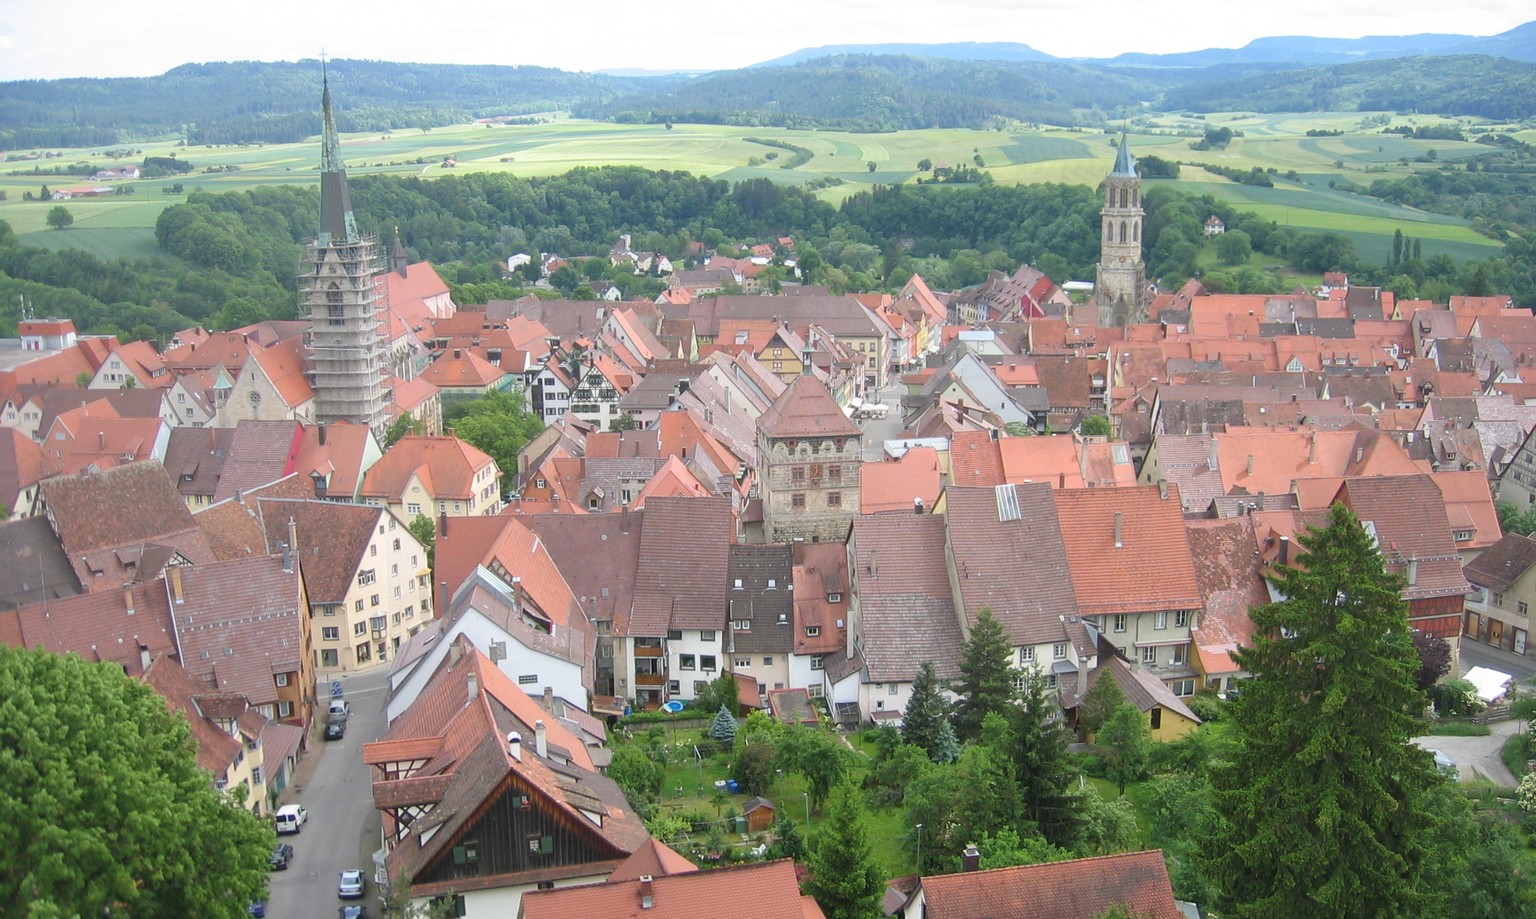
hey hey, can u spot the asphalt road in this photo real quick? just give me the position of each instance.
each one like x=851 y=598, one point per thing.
x=878 y=430
x=343 y=828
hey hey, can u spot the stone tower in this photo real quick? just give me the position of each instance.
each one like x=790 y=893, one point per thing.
x=342 y=295
x=808 y=460
x=1120 y=288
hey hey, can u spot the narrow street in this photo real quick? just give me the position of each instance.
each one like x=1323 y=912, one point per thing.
x=333 y=784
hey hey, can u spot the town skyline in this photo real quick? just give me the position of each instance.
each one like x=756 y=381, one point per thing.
x=287 y=31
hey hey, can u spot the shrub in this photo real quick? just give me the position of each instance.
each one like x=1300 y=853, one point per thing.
x=1456 y=697
x=1206 y=707
x=1093 y=766
x=1525 y=795
x=1456 y=729
x=1515 y=752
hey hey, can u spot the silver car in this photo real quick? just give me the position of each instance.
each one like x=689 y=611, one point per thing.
x=351 y=886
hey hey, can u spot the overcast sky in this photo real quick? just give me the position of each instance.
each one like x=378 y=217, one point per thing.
x=95 y=38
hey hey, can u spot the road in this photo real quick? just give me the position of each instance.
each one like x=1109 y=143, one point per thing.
x=1477 y=756
x=878 y=430
x=343 y=828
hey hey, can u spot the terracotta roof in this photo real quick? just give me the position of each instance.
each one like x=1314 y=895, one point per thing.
x=768 y=890
x=907 y=613
x=99 y=442
x=261 y=453
x=1150 y=569
x=216 y=747
x=1229 y=566
x=239 y=623
x=897 y=485
x=654 y=858
x=1469 y=506
x=283 y=365
x=684 y=555
x=820 y=571
x=806 y=409
x=1009 y=557
x=1502 y=564
x=460 y=369
x=447 y=463
x=103 y=626
x=1082 y=888
x=337 y=450
x=22 y=465
x=975 y=459
x=332 y=540
x=1409 y=521
x=233 y=528
x=229 y=350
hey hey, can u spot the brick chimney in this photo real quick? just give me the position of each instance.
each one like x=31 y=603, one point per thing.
x=647 y=892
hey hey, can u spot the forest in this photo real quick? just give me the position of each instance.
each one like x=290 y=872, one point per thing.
x=230 y=259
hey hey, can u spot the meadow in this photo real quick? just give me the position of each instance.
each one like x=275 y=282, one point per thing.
x=122 y=224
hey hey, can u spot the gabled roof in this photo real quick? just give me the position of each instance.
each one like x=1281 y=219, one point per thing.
x=462 y=369
x=233 y=527
x=768 y=611
x=1009 y=557
x=239 y=623
x=898 y=485
x=194 y=458
x=766 y=890
x=22 y=465
x=598 y=554
x=283 y=365
x=907 y=612
x=1502 y=564
x=1407 y=513
x=655 y=859
x=32 y=564
x=261 y=453
x=111 y=625
x=1141 y=688
x=684 y=554
x=447 y=463
x=331 y=541
x=806 y=409
x=1229 y=566
x=216 y=747
x=820 y=571
x=1081 y=888
x=1149 y=569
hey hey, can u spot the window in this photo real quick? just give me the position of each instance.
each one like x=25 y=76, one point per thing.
x=1525 y=608
x=282 y=679
x=773 y=583
x=329 y=657
x=285 y=709
x=359 y=627
x=1157 y=717
x=397 y=541
x=834 y=598
x=797 y=474
x=541 y=845
x=364 y=653
x=674 y=635
x=1181 y=618
x=706 y=635
x=1050 y=681
x=700 y=686
x=394 y=570
x=1120 y=623
x=816 y=662
x=527 y=679
x=1180 y=656
x=1498 y=599
x=1149 y=654
x=707 y=662
x=1160 y=620
x=357 y=606
x=736 y=584
x=373 y=550
x=686 y=662
x=811 y=631
x=834 y=499
x=797 y=500
x=890 y=690
x=768 y=661
x=413 y=509
x=835 y=474
x=1059 y=651
x=373 y=600
x=330 y=633
x=365 y=577
x=1026 y=655
x=674 y=687
x=328 y=609
x=741 y=625
x=739 y=663
x=377 y=623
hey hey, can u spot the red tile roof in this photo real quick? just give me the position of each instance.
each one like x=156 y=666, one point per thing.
x=684 y=556
x=907 y=610
x=806 y=409
x=1082 y=888
x=1229 y=566
x=445 y=463
x=241 y=622
x=103 y=626
x=1149 y=570
x=769 y=890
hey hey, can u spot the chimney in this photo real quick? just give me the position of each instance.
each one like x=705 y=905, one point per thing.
x=540 y=739
x=455 y=651
x=1119 y=526
x=517 y=593
x=144 y=659
x=293 y=545
x=1250 y=464
x=472 y=685
x=128 y=599
x=549 y=699
x=1162 y=489
x=624 y=517
x=175 y=581
x=917 y=506
x=1285 y=550
x=1061 y=480
x=101 y=440
x=321 y=434
x=1312 y=449
x=1213 y=459
x=647 y=892
x=1359 y=454
x=971 y=858
x=1413 y=572
x=287 y=557
x=458 y=353
x=515 y=745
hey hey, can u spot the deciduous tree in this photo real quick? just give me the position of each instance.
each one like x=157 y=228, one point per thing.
x=1324 y=791
x=59 y=218
x=103 y=809
x=1124 y=742
x=1103 y=697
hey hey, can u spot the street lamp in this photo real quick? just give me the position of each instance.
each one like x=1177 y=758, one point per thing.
x=919 y=850
x=781 y=786
x=807 y=796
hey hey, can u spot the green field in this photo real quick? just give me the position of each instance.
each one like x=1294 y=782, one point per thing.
x=119 y=225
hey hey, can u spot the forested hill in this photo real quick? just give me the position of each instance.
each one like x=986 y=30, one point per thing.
x=253 y=102
x=1467 y=84
x=886 y=93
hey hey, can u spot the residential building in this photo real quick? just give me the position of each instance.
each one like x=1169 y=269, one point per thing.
x=1503 y=587
x=226 y=730
x=808 y=457
x=429 y=475
x=820 y=624
x=767 y=890
x=760 y=632
x=1081 y=888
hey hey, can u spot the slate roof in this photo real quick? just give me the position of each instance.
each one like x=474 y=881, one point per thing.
x=1149 y=570
x=768 y=611
x=102 y=626
x=765 y=890
x=1502 y=564
x=239 y=623
x=1081 y=888
x=331 y=540
x=1140 y=687
x=806 y=409
x=907 y=613
x=1009 y=557
x=598 y=554
x=32 y=564
x=684 y=555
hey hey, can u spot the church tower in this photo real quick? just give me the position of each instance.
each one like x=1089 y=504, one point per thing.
x=342 y=295
x=1120 y=288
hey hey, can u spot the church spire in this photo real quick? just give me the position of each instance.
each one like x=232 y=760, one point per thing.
x=337 y=225
x=1125 y=164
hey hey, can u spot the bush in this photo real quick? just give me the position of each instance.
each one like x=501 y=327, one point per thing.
x=1456 y=697
x=1456 y=729
x=1515 y=752
x=1093 y=766
x=1206 y=707
x=1525 y=795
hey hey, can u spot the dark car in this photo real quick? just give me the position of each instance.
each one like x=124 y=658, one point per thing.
x=353 y=912
x=335 y=730
x=281 y=853
x=257 y=910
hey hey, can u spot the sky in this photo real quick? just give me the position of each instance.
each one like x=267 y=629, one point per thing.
x=49 y=39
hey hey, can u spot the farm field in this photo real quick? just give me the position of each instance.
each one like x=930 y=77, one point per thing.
x=116 y=225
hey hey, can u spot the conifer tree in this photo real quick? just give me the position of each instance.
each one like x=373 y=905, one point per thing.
x=1103 y=697
x=947 y=749
x=1323 y=794
x=845 y=879
x=724 y=727
x=1036 y=744
x=925 y=711
x=986 y=676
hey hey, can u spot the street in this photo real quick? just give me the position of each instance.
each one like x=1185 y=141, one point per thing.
x=878 y=430
x=333 y=784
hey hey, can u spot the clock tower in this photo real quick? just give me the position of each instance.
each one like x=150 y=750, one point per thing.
x=1120 y=288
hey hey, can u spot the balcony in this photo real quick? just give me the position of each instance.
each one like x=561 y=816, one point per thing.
x=650 y=679
x=647 y=651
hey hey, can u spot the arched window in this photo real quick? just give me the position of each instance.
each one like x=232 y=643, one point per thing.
x=1122 y=231
x=1136 y=232
x=1124 y=195
x=1109 y=232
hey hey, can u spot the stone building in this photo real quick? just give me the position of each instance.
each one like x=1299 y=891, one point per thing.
x=1120 y=288
x=808 y=455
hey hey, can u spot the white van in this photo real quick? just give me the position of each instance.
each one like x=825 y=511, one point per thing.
x=290 y=817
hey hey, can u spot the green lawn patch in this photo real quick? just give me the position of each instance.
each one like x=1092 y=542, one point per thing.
x=1514 y=753
x=1456 y=729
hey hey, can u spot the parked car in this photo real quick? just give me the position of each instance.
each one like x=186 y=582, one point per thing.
x=290 y=818
x=257 y=909
x=1444 y=764
x=281 y=853
x=352 y=911
x=351 y=885
x=340 y=708
x=336 y=730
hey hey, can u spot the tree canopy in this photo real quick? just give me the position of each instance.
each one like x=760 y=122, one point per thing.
x=843 y=876
x=103 y=809
x=1323 y=794
x=987 y=676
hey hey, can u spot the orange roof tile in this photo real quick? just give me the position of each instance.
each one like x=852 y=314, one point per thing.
x=897 y=485
x=1149 y=568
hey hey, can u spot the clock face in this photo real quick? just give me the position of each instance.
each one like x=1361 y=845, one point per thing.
x=1122 y=261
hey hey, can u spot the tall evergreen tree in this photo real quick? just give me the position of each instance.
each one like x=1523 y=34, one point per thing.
x=844 y=877
x=926 y=711
x=1036 y=744
x=1103 y=697
x=986 y=676
x=1324 y=791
